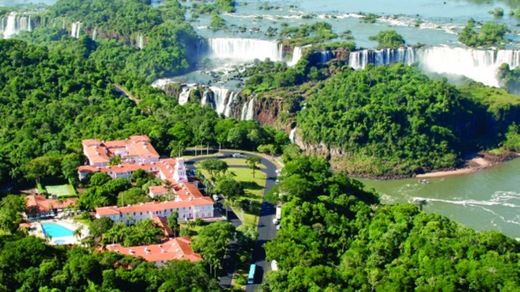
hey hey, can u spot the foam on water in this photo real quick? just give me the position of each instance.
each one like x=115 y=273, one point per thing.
x=245 y=50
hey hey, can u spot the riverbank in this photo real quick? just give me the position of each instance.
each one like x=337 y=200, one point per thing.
x=482 y=161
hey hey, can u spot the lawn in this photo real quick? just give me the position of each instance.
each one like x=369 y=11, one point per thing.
x=253 y=186
x=61 y=190
x=240 y=162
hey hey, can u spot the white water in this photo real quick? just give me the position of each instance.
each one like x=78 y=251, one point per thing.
x=360 y=59
x=296 y=56
x=75 y=30
x=205 y=97
x=231 y=100
x=478 y=65
x=94 y=33
x=245 y=50
x=248 y=110
x=220 y=94
x=15 y=24
x=468 y=202
x=185 y=95
x=292 y=134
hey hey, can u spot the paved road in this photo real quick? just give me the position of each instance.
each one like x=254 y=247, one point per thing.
x=266 y=228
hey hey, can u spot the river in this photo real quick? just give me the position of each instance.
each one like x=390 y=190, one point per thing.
x=485 y=200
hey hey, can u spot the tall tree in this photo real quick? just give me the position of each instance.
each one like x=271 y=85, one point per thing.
x=213 y=242
x=253 y=162
x=173 y=222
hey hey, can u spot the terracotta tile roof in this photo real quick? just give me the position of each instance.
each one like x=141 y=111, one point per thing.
x=174 y=249
x=40 y=204
x=153 y=206
x=136 y=146
x=158 y=190
x=96 y=153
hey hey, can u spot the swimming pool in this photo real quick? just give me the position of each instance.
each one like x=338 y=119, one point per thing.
x=56 y=230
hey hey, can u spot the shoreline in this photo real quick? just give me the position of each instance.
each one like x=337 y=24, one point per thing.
x=482 y=161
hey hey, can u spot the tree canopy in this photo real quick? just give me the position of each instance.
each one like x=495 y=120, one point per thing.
x=345 y=240
x=388 y=39
x=393 y=120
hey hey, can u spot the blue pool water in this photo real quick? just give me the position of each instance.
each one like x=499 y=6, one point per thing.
x=56 y=230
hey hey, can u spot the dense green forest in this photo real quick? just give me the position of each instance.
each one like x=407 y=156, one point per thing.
x=490 y=34
x=394 y=120
x=29 y=264
x=346 y=241
x=170 y=43
x=51 y=98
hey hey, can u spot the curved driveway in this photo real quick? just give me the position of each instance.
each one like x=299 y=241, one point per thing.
x=266 y=228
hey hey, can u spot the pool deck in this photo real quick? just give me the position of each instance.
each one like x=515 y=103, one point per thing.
x=37 y=230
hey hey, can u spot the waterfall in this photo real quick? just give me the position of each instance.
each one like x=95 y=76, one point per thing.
x=360 y=59
x=478 y=65
x=248 y=110
x=241 y=49
x=206 y=97
x=94 y=34
x=10 y=27
x=243 y=113
x=220 y=97
x=296 y=56
x=231 y=100
x=292 y=134
x=14 y=24
x=184 y=96
x=75 y=29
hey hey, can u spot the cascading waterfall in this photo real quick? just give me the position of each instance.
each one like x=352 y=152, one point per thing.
x=231 y=100
x=75 y=29
x=478 y=65
x=184 y=96
x=241 y=49
x=14 y=23
x=360 y=59
x=207 y=97
x=248 y=110
x=94 y=33
x=296 y=56
x=220 y=96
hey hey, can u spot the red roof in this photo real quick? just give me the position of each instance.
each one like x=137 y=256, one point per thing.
x=40 y=204
x=154 y=206
x=158 y=190
x=174 y=249
x=136 y=146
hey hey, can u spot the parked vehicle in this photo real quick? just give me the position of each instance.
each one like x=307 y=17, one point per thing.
x=251 y=275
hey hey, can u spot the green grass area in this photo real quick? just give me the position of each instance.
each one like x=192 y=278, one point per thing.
x=494 y=97
x=253 y=187
x=61 y=190
x=240 y=162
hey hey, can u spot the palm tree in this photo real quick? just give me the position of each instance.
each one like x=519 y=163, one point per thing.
x=253 y=162
x=77 y=232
